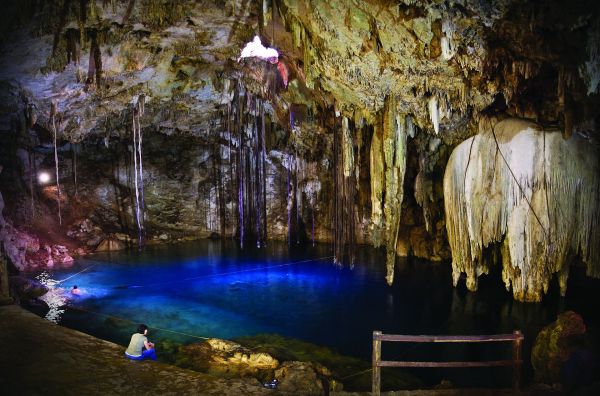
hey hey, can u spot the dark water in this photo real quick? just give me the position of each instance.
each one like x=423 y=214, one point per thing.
x=213 y=289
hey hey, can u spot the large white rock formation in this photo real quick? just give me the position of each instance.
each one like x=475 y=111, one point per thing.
x=530 y=192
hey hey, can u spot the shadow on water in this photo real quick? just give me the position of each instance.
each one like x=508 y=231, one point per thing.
x=214 y=289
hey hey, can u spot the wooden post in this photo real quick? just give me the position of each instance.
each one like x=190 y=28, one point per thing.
x=517 y=361
x=376 y=384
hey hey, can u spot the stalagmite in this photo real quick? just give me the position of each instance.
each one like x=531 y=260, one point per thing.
x=53 y=118
x=530 y=192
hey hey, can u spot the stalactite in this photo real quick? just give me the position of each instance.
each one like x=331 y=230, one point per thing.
x=93 y=11
x=95 y=62
x=377 y=179
x=447 y=41
x=128 y=11
x=53 y=113
x=81 y=19
x=72 y=51
x=434 y=113
x=61 y=24
x=495 y=192
x=349 y=189
x=394 y=148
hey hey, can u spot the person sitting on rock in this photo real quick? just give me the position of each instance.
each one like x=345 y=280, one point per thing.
x=139 y=347
x=76 y=291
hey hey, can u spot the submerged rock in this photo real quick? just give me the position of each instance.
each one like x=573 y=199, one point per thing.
x=553 y=346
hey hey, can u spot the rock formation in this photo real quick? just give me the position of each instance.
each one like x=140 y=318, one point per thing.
x=554 y=344
x=530 y=193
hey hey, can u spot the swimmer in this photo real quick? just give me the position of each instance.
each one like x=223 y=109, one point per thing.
x=76 y=291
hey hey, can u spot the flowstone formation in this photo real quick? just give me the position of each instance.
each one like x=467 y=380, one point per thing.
x=530 y=192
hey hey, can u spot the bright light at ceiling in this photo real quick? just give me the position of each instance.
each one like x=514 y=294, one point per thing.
x=43 y=177
x=257 y=50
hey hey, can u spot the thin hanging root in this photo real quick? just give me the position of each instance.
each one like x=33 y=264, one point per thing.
x=141 y=103
x=135 y=178
x=53 y=117
x=137 y=157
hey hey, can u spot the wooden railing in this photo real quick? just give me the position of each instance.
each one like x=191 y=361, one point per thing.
x=516 y=338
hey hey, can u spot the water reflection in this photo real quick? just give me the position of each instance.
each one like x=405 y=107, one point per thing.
x=56 y=298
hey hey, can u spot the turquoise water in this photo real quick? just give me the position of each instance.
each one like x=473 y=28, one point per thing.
x=213 y=289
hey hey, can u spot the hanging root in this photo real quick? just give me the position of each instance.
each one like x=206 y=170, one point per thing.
x=53 y=112
x=138 y=178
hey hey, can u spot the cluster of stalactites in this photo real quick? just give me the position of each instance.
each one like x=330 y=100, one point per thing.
x=531 y=191
x=388 y=167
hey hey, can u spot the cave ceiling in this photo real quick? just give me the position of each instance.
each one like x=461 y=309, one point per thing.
x=457 y=59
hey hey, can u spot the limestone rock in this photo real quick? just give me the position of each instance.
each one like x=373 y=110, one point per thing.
x=302 y=378
x=228 y=359
x=552 y=346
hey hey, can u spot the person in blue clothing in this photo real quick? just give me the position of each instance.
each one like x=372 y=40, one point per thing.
x=139 y=347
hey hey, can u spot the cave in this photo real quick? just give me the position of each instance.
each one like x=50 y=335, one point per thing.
x=265 y=184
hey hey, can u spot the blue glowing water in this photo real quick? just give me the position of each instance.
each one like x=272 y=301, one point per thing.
x=214 y=289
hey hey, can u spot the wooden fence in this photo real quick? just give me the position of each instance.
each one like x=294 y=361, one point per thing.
x=516 y=338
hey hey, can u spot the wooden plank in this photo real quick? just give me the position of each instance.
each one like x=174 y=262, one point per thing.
x=488 y=363
x=433 y=338
x=517 y=362
x=376 y=380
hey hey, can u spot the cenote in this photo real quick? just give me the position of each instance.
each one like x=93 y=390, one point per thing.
x=215 y=289
x=201 y=167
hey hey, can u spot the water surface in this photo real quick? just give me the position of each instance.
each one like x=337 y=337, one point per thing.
x=214 y=289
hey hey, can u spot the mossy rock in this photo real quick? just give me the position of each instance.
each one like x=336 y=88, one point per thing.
x=552 y=346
